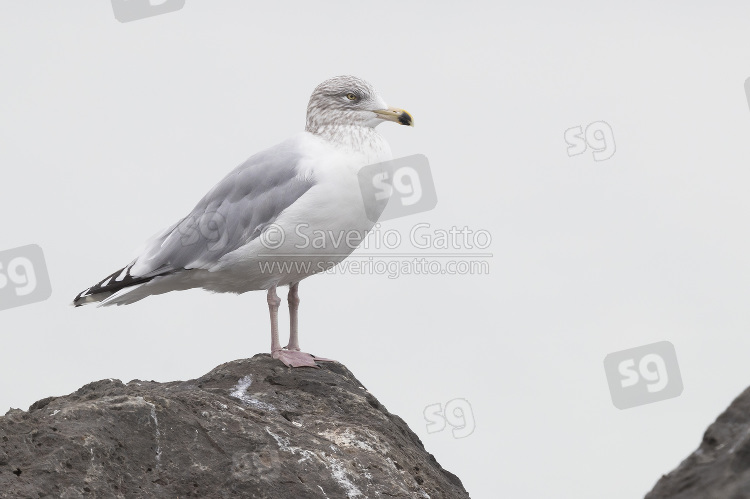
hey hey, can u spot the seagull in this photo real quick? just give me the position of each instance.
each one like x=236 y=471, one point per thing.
x=276 y=219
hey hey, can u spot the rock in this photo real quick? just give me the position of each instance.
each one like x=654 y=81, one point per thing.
x=250 y=428
x=720 y=467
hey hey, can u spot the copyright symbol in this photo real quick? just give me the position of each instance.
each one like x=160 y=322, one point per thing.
x=272 y=237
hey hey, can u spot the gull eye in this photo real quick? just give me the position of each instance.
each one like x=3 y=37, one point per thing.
x=351 y=96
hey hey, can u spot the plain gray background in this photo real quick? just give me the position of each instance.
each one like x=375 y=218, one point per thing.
x=110 y=131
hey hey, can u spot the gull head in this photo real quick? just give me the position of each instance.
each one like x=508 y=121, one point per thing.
x=348 y=101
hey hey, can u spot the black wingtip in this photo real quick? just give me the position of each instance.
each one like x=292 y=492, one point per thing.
x=110 y=285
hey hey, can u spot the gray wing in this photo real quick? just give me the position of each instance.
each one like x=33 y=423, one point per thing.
x=233 y=213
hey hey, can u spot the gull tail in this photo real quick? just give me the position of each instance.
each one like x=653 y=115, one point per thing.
x=118 y=283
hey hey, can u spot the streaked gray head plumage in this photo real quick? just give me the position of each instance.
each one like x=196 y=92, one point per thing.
x=343 y=101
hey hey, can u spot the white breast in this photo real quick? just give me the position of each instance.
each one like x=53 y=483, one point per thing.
x=322 y=228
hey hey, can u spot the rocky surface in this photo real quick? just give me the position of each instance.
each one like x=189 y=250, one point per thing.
x=720 y=467
x=250 y=428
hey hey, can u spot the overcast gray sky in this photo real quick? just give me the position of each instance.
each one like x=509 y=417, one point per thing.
x=110 y=131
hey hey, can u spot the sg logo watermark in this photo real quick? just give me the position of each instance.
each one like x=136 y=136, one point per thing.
x=208 y=229
x=597 y=135
x=457 y=413
x=23 y=277
x=132 y=10
x=397 y=188
x=643 y=375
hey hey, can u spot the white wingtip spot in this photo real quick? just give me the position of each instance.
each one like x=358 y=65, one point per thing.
x=123 y=274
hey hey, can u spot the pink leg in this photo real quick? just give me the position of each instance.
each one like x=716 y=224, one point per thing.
x=273 y=308
x=291 y=354
x=293 y=299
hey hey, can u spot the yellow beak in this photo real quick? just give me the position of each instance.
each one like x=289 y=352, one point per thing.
x=396 y=115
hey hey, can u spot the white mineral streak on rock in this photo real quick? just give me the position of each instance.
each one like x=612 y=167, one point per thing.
x=157 y=433
x=283 y=444
x=240 y=392
x=339 y=473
